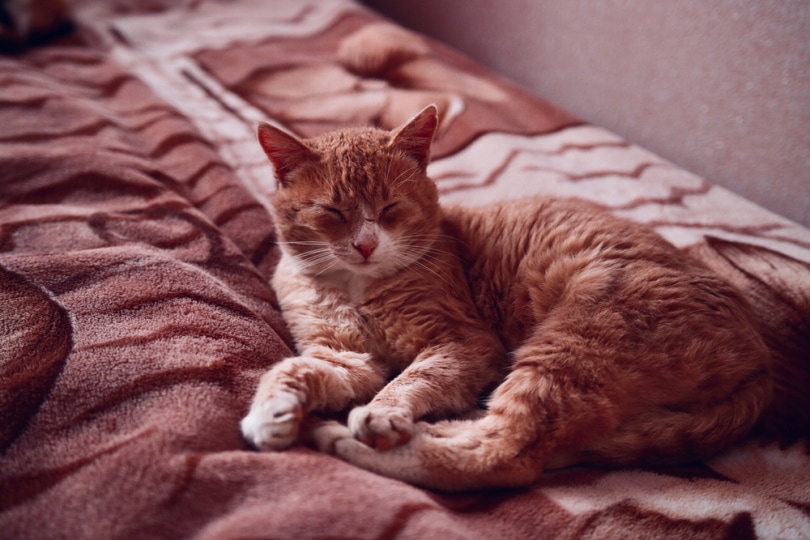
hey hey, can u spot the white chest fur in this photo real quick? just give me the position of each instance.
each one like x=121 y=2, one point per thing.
x=314 y=307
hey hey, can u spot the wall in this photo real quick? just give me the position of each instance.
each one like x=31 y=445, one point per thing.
x=720 y=87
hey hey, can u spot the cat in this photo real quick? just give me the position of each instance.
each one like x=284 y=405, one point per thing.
x=591 y=339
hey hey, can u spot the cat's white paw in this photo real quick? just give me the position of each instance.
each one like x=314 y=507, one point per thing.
x=382 y=428
x=273 y=424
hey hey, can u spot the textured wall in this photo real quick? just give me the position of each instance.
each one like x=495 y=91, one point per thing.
x=721 y=88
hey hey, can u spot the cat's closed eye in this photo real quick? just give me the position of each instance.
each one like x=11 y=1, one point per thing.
x=334 y=211
x=328 y=218
x=389 y=213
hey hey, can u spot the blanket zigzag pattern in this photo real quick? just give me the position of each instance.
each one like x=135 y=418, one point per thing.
x=136 y=317
x=99 y=266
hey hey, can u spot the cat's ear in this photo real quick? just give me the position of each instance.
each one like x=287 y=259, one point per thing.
x=415 y=137
x=285 y=152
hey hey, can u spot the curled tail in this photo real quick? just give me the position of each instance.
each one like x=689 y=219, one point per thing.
x=509 y=451
x=454 y=455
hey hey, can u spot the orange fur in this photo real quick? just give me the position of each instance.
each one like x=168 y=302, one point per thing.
x=607 y=345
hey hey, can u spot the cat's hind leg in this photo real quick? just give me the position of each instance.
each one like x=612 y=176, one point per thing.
x=321 y=379
x=660 y=435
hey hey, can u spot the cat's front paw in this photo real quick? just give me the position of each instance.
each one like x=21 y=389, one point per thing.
x=382 y=428
x=273 y=424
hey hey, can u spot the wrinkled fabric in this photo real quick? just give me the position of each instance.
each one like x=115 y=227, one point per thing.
x=136 y=315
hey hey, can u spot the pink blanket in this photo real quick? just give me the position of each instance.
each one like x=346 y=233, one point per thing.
x=136 y=317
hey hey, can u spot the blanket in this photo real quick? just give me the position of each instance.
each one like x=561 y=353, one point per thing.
x=136 y=316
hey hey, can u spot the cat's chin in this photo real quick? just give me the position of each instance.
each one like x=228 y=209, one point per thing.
x=381 y=268
x=372 y=269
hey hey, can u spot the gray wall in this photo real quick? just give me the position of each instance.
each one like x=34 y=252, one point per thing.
x=720 y=87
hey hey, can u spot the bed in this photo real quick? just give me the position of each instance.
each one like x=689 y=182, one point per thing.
x=136 y=315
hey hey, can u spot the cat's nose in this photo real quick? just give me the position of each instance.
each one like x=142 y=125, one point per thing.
x=365 y=247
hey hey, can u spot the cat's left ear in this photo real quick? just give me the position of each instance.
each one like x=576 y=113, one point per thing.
x=416 y=136
x=285 y=152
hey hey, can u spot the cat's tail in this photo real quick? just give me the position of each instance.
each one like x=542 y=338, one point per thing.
x=454 y=455
x=498 y=451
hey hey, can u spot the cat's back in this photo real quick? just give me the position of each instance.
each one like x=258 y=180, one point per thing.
x=508 y=232
x=527 y=256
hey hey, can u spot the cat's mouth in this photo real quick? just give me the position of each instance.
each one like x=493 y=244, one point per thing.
x=365 y=266
x=367 y=263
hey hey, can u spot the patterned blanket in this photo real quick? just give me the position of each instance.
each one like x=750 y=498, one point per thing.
x=136 y=317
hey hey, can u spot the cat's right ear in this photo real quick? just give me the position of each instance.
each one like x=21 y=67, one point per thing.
x=285 y=152
x=416 y=136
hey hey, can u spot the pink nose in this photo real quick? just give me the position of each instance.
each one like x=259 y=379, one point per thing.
x=366 y=248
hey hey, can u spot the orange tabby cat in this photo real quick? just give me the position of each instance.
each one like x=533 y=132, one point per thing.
x=603 y=343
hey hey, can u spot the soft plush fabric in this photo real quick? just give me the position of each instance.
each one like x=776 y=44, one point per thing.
x=136 y=317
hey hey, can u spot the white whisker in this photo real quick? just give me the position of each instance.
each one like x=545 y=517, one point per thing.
x=314 y=253
x=328 y=267
x=436 y=252
x=411 y=174
x=315 y=258
x=427 y=267
x=304 y=243
x=411 y=260
x=428 y=242
x=387 y=171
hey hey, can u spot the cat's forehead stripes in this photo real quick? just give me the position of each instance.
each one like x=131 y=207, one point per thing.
x=358 y=165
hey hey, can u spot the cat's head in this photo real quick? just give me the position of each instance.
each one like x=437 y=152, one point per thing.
x=356 y=200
